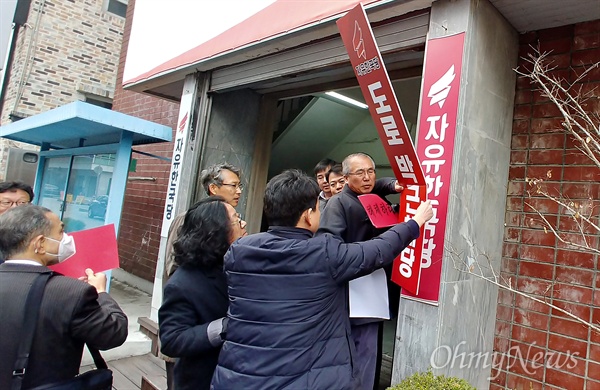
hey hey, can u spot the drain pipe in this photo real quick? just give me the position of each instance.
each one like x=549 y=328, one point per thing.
x=19 y=20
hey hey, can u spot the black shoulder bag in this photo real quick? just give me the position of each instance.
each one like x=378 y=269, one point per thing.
x=99 y=379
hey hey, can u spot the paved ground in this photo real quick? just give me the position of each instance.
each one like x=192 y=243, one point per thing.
x=135 y=303
x=133 y=359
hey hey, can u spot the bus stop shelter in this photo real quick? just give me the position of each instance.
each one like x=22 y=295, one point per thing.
x=84 y=160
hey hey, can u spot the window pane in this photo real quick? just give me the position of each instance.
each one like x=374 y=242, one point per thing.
x=116 y=7
x=86 y=200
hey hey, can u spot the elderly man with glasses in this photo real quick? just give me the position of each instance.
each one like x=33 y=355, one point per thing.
x=223 y=180
x=71 y=312
x=345 y=217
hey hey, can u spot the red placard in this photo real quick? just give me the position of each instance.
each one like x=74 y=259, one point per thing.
x=435 y=148
x=384 y=108
x=379 y=211
x=96 y=249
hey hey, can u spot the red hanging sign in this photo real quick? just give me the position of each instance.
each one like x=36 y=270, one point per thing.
x=435 y=148
x=384 y=109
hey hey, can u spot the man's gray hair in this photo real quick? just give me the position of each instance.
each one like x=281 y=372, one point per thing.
x=212 y=175
x=346 y=162
x=19 y=225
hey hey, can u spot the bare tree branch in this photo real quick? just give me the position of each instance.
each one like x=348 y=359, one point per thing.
x=579 y=122
x=570 y=101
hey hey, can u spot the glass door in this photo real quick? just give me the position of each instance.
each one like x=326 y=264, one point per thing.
x=54 y=184
x=77 y=189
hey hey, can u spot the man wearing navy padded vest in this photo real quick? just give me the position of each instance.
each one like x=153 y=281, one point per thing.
x=288 y=327
x=346 y=218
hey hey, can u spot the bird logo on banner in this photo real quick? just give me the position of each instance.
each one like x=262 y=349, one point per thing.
x=440 y=89
x=358 y=42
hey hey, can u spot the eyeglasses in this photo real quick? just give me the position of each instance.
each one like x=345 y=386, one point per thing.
x=7 y=203
x=341 y=181
x=361 y=172
x=239 y=219
x=236 y=186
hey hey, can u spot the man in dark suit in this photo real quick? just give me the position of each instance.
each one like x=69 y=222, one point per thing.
x=72 y=312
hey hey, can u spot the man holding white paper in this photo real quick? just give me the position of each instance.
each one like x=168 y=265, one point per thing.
x=346 y=218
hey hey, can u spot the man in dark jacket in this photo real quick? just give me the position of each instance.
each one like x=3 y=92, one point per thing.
x=12 y=194
x=288 y=321
x=72 y=312
x=345 y=217
x=321 y=170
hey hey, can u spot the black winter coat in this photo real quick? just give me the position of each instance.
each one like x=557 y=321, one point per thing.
x=288 y=321
x=346 y=217
x=192 y=298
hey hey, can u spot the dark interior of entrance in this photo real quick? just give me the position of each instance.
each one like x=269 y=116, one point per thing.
x=334 y=125
x=316 y=126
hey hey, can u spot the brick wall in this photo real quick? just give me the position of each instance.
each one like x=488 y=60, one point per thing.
x=141 y=220
x=73 y=48
x=534 y=260
x=67 y=50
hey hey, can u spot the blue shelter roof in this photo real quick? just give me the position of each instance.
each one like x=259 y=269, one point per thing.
x=80 y=124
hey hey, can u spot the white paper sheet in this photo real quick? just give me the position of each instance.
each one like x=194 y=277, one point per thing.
x=369 y=296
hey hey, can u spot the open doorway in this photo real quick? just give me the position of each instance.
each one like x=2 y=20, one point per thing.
x=320 y=125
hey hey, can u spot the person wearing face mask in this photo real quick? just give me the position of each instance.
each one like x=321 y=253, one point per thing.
x=72 y=312
x=195 y=298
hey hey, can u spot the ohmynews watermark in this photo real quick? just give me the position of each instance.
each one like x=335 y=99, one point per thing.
x=525 y=357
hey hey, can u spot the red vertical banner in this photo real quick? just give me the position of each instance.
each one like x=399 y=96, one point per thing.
x=407 y=267
x=384 y=109
x=435 y=148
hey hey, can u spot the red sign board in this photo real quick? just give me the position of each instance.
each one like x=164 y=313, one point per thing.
x=380 y=97
x=435 y=148
x=380 y=213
